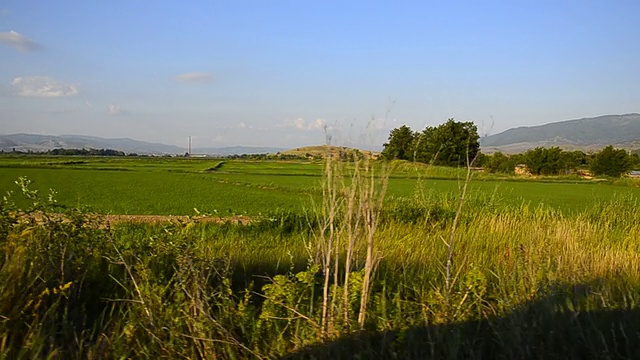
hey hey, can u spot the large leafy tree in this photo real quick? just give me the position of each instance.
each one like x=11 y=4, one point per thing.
x=400 y=144
x=611 y=162
x=545 y=161
x=452 y=143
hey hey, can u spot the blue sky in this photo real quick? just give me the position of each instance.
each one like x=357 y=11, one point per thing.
x=281 y=73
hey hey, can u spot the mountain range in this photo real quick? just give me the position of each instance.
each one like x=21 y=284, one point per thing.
x=39 y=143
x=585 y=134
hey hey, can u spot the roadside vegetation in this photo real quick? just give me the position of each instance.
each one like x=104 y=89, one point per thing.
x=342 y=276
x=345 y=257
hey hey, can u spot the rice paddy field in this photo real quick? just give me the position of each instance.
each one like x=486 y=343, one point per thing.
x=175 y=186
x=335 y=264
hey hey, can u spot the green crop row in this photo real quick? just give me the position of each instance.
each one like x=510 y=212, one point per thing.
x=176 y=186
x=528 y=281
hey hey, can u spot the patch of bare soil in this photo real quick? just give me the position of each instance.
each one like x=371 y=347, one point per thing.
x=105 y=220
x=237 y=220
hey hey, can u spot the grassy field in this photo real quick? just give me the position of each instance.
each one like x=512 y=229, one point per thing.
x=544 y=268
x=163 y=186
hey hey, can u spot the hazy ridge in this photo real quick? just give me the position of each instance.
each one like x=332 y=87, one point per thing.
x=38 y=143
x=585 y=134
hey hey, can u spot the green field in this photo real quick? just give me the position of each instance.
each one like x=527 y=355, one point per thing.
x=528 y=269
x=165 y=186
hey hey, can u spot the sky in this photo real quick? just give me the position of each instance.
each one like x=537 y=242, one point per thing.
x=296 y=73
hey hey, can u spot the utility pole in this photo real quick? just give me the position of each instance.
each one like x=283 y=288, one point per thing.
x=189 y=151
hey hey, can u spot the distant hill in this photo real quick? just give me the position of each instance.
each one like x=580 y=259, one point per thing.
x=320 y=151
x=586 y=134
x=37 y=143
x=236 y=150
x=33 y=142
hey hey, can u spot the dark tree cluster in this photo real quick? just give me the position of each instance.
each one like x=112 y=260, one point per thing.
x=555 y=161
x=539 y=161
x=451 y=144
x=500 y=163
x=546 y=161
x=87 y=152
x=612 y=162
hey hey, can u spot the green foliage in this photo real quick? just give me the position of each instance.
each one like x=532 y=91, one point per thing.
x=410 y=211
x=575 y=159
x=611 y=162
x=451 y=144
x=540 y=161
x=500 y=163
x=50 y=266
x=635 y=161
x=529 y=280
x=545 y=161
x=400 y=144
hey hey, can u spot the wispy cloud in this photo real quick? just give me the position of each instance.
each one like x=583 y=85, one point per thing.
x=318 y=124
x=195 y=77
x=43 y=86
x=295 y=123
x=301 y=124
x=18 y=41
x=115 y=109
x=298 y=123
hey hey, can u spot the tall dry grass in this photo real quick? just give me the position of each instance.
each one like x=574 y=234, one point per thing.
x=526 y=282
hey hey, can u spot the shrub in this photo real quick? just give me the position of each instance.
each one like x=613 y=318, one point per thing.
x=611 y=162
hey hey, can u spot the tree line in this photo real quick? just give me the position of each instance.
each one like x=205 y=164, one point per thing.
x=457 y=144
x=555 y=161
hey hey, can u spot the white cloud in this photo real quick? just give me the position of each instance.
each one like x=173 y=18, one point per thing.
x=289 y=123
x=242 y=125
x=115 y=109
x=18 y=41
x=319 y=124
x=195 y=77
x=301 y=124
x=298 y=123
x=43 y=86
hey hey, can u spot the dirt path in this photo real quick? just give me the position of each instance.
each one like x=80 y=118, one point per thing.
x=240 y=220
x=148 y=219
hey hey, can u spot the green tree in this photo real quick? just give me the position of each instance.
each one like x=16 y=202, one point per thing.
x=574 y=159
x=611 y=162
x=500 y=163
x=545 y=161
x=450 y=144
x=635 y=161
x=400 y=144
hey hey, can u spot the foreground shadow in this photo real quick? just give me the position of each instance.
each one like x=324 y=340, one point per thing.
x=548 y=328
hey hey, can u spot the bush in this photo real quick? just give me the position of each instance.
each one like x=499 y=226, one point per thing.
x=501 y=163
x=611 y=162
